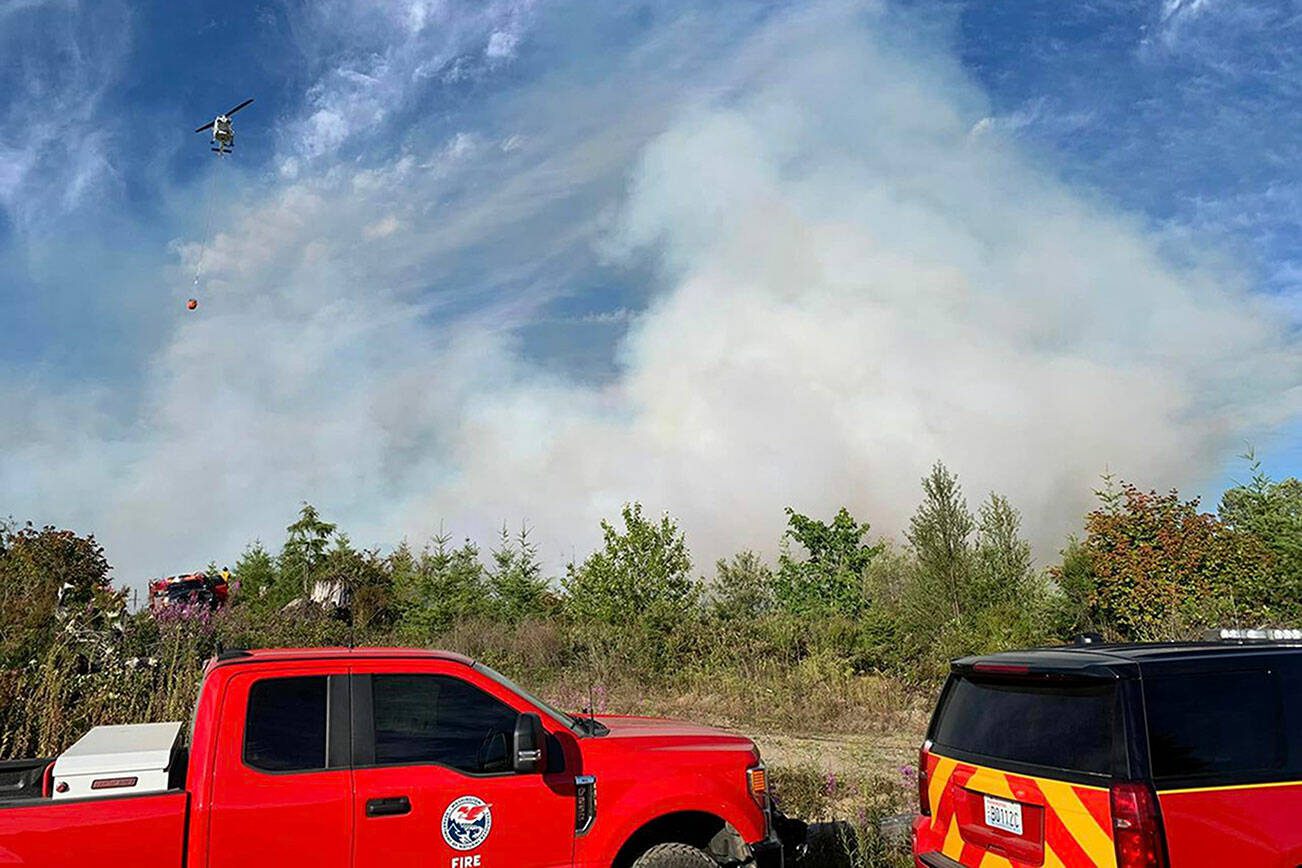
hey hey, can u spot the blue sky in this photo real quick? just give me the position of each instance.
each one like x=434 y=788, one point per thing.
x=515 y=260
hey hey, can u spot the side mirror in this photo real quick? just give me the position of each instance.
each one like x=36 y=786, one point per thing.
x=529 y=744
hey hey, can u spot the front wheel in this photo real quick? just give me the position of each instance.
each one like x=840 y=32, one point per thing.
x=675 y=856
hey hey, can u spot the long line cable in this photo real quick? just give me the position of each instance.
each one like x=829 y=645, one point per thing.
x=207 y=225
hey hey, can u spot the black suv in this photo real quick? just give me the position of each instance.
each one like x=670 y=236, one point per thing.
x=1185 y=755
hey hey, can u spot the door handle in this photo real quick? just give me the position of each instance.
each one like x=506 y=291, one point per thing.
x=393 y=806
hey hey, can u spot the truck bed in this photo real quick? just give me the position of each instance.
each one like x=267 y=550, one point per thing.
x=22 y=779
x=146 y=831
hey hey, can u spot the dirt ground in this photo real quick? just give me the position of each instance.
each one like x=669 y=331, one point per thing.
x=842 y=754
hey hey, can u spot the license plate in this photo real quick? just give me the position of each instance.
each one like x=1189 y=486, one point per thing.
x=1001 y=814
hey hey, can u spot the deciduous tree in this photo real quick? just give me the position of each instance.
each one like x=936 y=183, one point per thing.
x=45 y=572
x=1161 y=569
x=641 y=574
x=825 y=573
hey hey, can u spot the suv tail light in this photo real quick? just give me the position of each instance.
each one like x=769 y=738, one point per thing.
x=924 y=785
x=1136 y=827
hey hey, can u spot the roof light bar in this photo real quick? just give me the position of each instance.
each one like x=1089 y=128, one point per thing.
x=1275 y=635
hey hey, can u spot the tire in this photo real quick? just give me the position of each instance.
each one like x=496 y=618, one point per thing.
x=675 y=856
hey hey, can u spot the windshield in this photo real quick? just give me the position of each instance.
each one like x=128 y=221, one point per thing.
x=501 y=679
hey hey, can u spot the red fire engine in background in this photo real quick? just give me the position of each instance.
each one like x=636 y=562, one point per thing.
x=191 y=589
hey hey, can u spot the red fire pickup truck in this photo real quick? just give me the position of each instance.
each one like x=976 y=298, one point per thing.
x=360 y=758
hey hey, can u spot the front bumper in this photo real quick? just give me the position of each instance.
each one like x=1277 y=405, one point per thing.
x=786 y=844
x=767 y=854
x=802 y=845
x=794 y=843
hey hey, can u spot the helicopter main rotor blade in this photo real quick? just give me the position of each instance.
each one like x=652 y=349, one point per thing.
x=206 y=126
x=238 y=107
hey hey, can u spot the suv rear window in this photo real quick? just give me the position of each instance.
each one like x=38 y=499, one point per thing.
x=1214 y=724
x=1066 y=726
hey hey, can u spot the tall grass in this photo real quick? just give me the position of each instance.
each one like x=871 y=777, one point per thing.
x=149 y=668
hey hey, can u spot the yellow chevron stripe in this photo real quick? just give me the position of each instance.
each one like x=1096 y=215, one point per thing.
x=990 y=860
x=936 y=787
x=1073 y=814
x=1051 y=859
x=953 y=846
x=991 y=782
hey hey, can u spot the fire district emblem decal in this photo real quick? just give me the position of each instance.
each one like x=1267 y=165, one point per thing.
x=467 y=822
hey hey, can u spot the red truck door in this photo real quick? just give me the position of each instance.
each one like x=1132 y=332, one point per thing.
x=281 y=789
x=433 y=776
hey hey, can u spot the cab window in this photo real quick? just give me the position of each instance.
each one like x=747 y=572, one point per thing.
x=285 y=730
x=443 y=720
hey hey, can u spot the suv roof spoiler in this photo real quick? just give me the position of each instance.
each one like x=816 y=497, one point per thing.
x=1061 y=665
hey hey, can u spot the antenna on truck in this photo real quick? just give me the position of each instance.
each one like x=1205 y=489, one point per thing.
x=352 y=616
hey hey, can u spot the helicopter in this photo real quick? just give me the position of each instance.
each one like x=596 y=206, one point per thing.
x=223 y=133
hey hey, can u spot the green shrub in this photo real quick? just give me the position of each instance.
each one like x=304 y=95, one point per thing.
x=639 y=580
x=828 y=579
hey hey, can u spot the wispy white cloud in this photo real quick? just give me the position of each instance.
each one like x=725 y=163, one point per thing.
x=55 y=144
x=1176 y=10
x=1039 y=113
x=501 y=45
x=14 y=7
x=375 y=60
x=617 y=316
x=1204 y=27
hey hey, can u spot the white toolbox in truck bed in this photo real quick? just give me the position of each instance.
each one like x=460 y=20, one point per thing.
x=117 y=761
